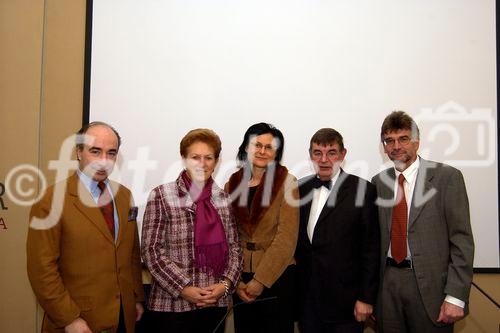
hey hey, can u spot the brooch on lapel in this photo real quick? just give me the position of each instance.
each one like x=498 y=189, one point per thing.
x=132 y=214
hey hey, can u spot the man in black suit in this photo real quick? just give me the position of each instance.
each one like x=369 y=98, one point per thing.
x=338 y=244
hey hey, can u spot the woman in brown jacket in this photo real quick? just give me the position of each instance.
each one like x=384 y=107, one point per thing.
x=265 y=201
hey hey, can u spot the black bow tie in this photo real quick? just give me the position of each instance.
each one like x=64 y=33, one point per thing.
x=317 y=183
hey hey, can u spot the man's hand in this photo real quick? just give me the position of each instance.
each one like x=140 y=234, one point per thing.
x=77 y=326
x=199 y=296
x=241 y=290
x=139 y=311
x=450 y=313
x=362 y=311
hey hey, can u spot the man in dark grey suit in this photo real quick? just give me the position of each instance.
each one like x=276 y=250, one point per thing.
x=427 y=247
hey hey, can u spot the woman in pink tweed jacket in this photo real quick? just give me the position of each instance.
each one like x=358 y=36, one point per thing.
x=190 y=243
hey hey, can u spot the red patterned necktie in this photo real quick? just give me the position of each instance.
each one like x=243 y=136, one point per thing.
x=105 y=203
x=399 y=223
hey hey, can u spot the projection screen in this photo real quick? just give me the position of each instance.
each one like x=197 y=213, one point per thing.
x=156 y=69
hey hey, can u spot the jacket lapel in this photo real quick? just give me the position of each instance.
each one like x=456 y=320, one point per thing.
x=423 y=191
x=121 y=206
x=387 y=195
x=265 y=195
x=306 y=198
x=86 y=205
x=186 y=202
x=337 y=195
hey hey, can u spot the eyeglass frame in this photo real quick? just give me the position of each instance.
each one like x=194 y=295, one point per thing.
x=267 y=148
x=402 y=140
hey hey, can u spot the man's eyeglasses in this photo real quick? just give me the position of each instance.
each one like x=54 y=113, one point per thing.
x=402 y=140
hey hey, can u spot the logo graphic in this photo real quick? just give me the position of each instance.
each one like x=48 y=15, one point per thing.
x=458 y=136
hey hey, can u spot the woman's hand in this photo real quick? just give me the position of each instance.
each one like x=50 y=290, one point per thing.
x=241 y=291
x=254 y=288
x=217 y=291
x=199 y=296
x=250 y=291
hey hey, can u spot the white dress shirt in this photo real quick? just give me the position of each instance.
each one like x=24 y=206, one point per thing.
x=320 y=196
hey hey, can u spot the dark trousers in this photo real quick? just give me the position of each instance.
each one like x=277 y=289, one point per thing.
x=310 y=320
x=197 y=321
x=141 y=325
x=402 y=308
x=321 y=327
x=272 y=312
x=121 y=322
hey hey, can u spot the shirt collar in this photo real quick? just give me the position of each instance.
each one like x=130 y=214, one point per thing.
x=334 y=178
x=89 y=183
x=410 y=173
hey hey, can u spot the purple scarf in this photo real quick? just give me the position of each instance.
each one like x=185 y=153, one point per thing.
x=211 y=249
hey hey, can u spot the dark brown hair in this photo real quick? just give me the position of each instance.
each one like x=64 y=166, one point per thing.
x=325 y=137
x=399 y=120
x=260 y=129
